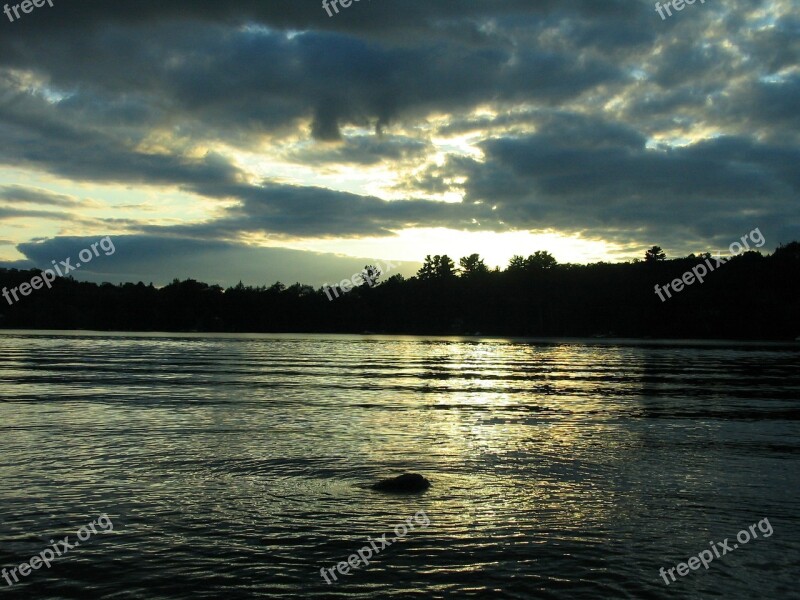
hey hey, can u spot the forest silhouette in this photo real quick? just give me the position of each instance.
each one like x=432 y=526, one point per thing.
x=753 y=296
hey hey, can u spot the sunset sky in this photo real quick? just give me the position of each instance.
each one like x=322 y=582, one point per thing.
x=263 y=140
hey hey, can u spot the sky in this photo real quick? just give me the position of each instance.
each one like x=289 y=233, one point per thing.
x=264 y=140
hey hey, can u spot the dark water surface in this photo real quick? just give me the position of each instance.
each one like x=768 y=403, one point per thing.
x=239 y=466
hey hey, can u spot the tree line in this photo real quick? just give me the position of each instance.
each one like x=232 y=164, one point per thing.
x=752 y=297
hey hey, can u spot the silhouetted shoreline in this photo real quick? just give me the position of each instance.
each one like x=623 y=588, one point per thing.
x=754 y=297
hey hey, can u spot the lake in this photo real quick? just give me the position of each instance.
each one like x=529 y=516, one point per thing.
x=240 y=466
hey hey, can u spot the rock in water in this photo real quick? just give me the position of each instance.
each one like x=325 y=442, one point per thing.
x=410 y=483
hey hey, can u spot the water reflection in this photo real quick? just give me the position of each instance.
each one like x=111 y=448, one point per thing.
x=238 y=466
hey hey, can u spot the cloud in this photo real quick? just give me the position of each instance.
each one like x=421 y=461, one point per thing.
x=363 y=150
x=253 y=81
x=19 y=213
x=306 y=211
x=587 y=175
x=162 y=259
x=411 y=18
x=29 y=195
x=568 y=115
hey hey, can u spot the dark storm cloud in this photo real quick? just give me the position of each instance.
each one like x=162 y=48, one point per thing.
x=160 y=260
x=363 y=150
x=768 y=105
x=236 y=81
x=776 y=47
x=40 y=135
x=319 y=212
x=41 y=139
x=580 y=92
x=405 y=17
x=580 y=174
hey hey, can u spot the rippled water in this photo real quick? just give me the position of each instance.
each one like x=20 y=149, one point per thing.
x=239 y=466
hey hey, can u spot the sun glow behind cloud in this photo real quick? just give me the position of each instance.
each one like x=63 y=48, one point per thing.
x=506 y=136
x=495 y=248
